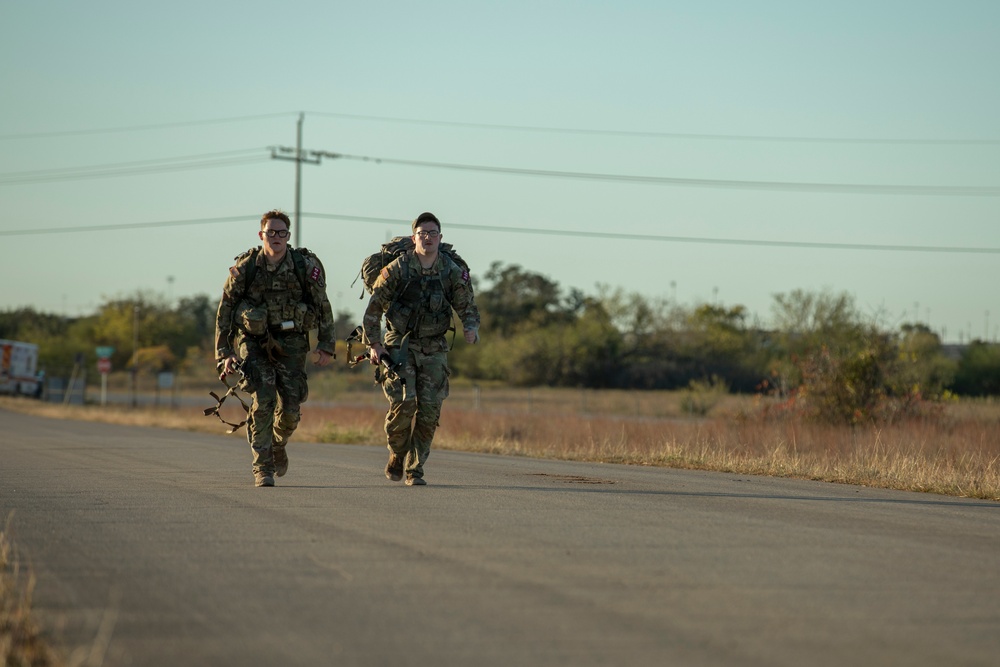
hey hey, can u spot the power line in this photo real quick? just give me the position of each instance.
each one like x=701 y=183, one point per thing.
x=696 y=136
x=245 y=156
x=137 y=167
x=660 y=135
x=127 y=225
x=787 y=186
x=660 y=238
x=138 y=128
x=669 y=239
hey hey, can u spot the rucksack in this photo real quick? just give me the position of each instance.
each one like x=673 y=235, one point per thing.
x=373 y=264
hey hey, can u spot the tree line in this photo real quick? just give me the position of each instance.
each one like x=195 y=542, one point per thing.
x=537 y=334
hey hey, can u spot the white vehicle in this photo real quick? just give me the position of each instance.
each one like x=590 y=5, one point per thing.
x=19 y=368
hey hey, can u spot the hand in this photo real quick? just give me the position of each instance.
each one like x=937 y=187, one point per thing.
x=322 y=358
x=471 y=335
x=375 y=353
x=229 y=366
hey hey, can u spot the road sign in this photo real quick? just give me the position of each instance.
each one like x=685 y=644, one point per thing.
x=104 y=351
x=104 y=366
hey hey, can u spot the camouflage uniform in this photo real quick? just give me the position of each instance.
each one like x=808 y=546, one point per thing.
x=249 y=325
x=418 y=301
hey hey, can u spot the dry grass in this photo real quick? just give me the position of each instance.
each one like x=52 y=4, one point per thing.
x=21 y=641
x=957 y=453
x=958 y=457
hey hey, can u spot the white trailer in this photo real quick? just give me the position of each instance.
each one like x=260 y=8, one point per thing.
x=19 y=368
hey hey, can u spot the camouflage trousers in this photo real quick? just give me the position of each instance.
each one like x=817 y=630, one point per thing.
x=415 y=410
x=278 y=387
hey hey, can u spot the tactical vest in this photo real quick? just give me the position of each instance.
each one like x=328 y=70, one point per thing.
x=283 y=295
x=423 y=306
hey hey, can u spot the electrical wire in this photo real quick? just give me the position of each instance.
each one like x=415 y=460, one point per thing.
x=695 y=136
x=573 y=233
x=660 y=135
x=661 y=238
x=127 y=225
x=786 y=186
x=139 y=128
x=138 y=167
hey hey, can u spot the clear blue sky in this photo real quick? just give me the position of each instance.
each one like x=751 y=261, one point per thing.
x=745 y=114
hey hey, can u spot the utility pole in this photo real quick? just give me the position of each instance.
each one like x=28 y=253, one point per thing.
x=298 y=156
x=135 y=354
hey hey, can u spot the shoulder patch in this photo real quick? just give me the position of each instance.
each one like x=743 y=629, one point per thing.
x=234 y=272
x=384 y=273
x=465 y=275
x=316 y=274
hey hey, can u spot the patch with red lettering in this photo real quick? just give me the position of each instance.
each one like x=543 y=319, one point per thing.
x=234 y=272
x=317 y=276
x=465 y=275
x=384 y=273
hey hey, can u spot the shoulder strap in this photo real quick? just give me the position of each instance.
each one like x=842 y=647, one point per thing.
x=300 y=265
x=299 y=261
x=251 y=270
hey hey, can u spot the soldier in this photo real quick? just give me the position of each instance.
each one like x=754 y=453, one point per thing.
x=417 y=292
x=273 y=297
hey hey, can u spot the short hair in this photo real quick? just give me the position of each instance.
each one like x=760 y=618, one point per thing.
x=425 y=217
x=275 y=214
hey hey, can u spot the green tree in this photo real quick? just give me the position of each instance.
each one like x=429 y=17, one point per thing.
x=146 y=321
x=718 y=343
x=197 y=317
x=809 y=324
x=978 y=372
x=923 y=368
x=583 y=352
x=519 y=300
x=651 y=331
x=843 y=370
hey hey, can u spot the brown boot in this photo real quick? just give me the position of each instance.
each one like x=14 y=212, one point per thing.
x=394 y=468
x=280 y=461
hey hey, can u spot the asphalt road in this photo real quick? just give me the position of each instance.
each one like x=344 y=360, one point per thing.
x=152 y=547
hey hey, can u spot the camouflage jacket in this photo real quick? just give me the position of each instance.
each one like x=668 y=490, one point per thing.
x=420 y=301
x=277 y=296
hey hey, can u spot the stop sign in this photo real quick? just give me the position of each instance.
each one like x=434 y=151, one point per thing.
x=104 y=366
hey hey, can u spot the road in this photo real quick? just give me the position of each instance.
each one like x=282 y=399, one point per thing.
x=152 y=547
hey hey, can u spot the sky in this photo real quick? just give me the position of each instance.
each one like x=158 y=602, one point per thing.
x=711 y=152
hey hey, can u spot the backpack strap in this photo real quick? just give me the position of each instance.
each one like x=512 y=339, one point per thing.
x=251 y=270
x=299 y=261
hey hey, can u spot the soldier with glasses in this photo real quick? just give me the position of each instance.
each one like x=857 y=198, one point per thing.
x=416 y=293
x=273 y=297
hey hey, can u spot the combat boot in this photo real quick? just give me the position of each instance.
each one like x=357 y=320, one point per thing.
x=263 y=479
x=415 y=481
x=280 y=461
x=394 y=468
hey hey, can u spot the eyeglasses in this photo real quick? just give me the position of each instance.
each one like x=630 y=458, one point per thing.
x=431 y=234
x=280 y=233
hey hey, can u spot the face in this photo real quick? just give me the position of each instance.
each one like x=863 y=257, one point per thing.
x=427 y=236
x=271 y=235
